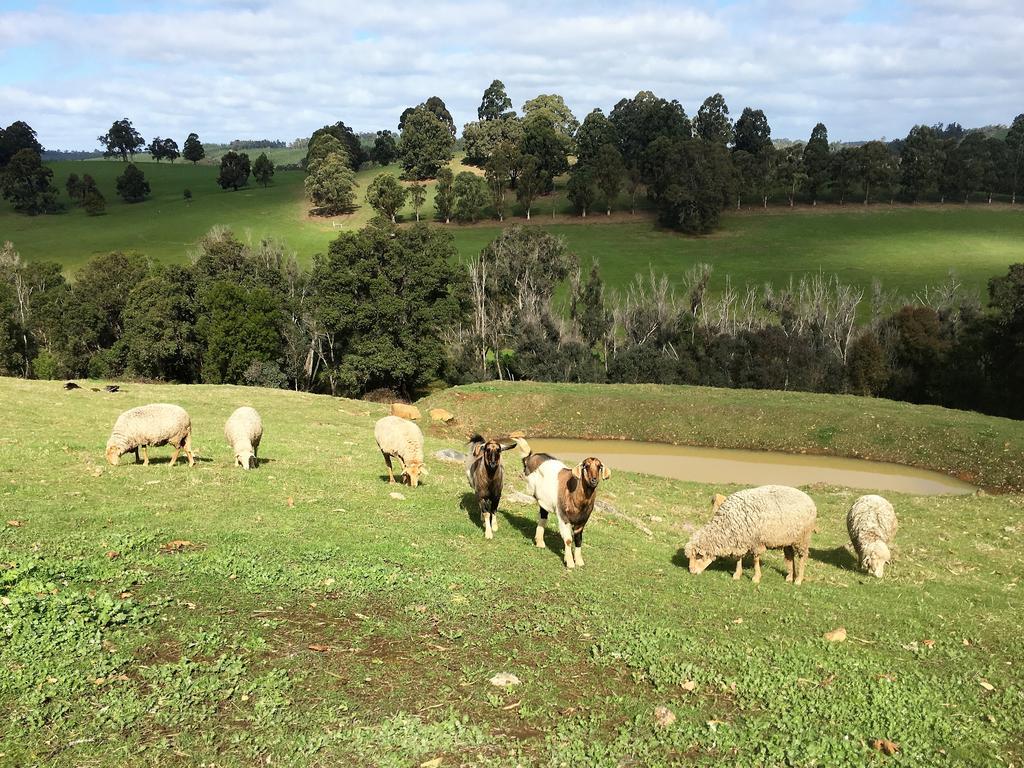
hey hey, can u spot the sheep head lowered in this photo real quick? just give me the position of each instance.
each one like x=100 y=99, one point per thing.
x=113 y=455
x=874 y=557
x=591 y=471
x=697 y=559
x=413 y=470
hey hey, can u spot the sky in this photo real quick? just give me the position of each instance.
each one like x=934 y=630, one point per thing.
x=279 y=69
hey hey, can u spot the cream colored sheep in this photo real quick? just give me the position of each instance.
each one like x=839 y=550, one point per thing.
x=403 y=439
x=871 y=523
x=243 y=431
x=752 y=521
x=155 y=424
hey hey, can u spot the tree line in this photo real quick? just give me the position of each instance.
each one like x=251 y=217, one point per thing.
x=690 y=169
x=391 y=308
x=28 y=183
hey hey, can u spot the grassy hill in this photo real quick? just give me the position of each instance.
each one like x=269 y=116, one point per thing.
x=299 y=615
x=905 y=247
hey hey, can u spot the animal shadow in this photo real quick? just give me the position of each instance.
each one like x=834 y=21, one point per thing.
x=723 y=564
x=527 y=526
x=468 y=503
x=838 y=557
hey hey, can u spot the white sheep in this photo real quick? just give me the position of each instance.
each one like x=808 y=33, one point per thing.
x=871 y=523
x=154 y=424
x=403 y=439
x=243 y=431
x=752 y=521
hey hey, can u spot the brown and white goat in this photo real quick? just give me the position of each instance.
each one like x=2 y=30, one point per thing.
x=570 y=493
x=486 y=477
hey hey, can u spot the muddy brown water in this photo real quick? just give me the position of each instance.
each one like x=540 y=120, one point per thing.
x=726 y=465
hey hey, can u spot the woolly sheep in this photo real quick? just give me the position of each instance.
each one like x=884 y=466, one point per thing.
x=752 y=521
x=401 y=438
x=243 y=431
x=154 y=424
x=871 y=523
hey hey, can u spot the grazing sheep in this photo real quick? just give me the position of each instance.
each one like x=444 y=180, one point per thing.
x=571 y=493
x=243 y=431
x=155 y=424
x=752 y=521
x=486 y=477
x=401 y=438
x=403 y=411
x=871 y=523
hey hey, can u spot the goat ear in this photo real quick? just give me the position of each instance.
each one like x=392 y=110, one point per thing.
x=477 y=448
x=606 y=474
x=577 y=471
x=506 y=445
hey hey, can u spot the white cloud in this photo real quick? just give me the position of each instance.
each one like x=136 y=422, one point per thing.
x=280 y=69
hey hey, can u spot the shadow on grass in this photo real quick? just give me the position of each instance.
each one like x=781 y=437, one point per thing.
x=164 y=460
x=528 y=527
x=468 y=503
x=839 y=557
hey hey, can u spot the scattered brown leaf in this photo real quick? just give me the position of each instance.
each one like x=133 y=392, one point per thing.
x=837 y=635
x=431 y=763
x=14 y=523
x=885 y=746
x=319 y=647
x=986 y=685
x=112 y=554
x=689 y=685
x=291 y=502
x=928 y=643
x=176 y=545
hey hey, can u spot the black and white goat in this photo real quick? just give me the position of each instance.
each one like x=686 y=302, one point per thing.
x=486 y=476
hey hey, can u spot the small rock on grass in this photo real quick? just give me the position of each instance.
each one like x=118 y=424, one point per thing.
x=837 y=635
x=396 y=495
x=664 y=717
x=504 y=680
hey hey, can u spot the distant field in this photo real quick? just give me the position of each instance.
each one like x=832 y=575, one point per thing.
x=905 y=247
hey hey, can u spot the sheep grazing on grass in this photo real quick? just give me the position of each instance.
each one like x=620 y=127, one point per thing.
x=405 y=411
x=243 y=431
x=155 y=424
x=403 y=439
x=752 y=521
x=486 y=477
x=871 y=523
x=570 y=493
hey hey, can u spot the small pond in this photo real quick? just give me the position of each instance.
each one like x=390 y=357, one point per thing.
x=722 y=465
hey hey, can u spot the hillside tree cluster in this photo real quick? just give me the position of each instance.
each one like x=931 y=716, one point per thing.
x=391 y=308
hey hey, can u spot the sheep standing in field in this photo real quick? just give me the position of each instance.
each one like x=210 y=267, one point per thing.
x=155 y=424
x=486 y=477
x=243 y=431
x=752 y=521
x=871 y=523
x=401 y=438
x=570 y=493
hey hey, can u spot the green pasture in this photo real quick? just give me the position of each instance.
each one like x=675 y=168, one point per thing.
x=302 y=615
x=904 y=247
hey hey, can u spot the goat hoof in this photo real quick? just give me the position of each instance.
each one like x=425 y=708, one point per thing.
x=569 y=563
x=488 y=535
x=539 y=543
